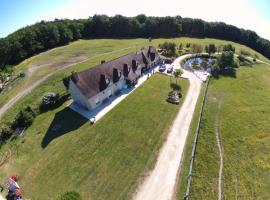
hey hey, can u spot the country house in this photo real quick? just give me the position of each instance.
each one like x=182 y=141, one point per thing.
x=91 y=87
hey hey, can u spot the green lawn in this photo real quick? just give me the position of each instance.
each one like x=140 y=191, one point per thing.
x=93 y=50
x=102 y=161
x=94 y=159
x=245 y=135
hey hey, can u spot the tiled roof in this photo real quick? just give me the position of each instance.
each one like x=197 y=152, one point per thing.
x=91 y=81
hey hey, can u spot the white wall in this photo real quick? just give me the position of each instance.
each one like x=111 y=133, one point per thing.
x=77 y=96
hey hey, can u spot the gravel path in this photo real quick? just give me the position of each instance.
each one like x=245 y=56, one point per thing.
x=27 y=90
x=1 y=198
x=161 y=182
x=221 y=155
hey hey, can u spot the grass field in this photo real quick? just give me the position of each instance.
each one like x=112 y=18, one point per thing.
x=89 y=52
x=72 y=161
x=242 y=106
x=104 y=161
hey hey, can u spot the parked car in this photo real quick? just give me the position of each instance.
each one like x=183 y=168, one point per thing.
x=162 y=68
x=170 y=69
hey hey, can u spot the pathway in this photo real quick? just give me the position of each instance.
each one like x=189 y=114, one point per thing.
x=27 y=90
x=221 y=155
x=161 y=182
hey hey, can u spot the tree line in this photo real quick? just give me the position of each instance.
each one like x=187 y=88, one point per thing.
x=42 y=36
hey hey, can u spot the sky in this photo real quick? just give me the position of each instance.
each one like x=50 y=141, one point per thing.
x=248 y=14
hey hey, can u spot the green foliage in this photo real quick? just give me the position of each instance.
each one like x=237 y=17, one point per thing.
x=42 y=36
x=170 y=48
x=177 y=74
x=49 y=100
x=225 y=60
x=229 y=47
x=71 y=195
x=5 y=133
x=211 y=48
x=24 y=118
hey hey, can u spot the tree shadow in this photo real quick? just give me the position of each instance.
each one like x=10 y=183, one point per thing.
x=175 y=87
x=227 y=72
x=64 y=122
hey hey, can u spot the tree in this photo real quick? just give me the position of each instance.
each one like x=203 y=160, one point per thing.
x=177 y=74
x=211 y=48
x=226 y=60
x=229 y=47
x=24 y=118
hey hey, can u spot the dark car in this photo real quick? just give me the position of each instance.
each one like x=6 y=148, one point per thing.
x=170 y=70
x=162 y=68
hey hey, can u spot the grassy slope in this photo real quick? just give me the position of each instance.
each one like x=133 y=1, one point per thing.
x=103 y=161
x=83 y=49
x=54 y=83
x=244 y=127
x=54 y=59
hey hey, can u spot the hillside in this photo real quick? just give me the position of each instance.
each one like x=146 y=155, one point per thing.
x=106 y=161
x=239 y=109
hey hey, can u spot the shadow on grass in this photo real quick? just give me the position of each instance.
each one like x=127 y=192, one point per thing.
x=175 y=86
x=64 y=122
x=228 y=72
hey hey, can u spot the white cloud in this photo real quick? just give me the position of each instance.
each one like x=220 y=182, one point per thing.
x=235 y=12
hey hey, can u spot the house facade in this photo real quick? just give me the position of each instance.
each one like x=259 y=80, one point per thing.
x=91 y=87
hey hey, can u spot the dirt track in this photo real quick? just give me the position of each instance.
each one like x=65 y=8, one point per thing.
x=161 y=182
x=27 y=90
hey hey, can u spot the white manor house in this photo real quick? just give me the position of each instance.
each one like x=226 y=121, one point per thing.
x=89 y=88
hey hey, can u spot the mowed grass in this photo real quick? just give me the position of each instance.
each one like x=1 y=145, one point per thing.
x=102 y=161
x=87 y=51
x=242 y=105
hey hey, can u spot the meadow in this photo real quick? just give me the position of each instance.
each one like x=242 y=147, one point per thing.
x=108 y=160
x=102 y=161
x=241 y=106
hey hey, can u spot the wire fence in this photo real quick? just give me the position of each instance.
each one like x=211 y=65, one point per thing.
x=186 y=197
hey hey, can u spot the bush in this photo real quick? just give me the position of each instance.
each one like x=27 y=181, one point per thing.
x=49 y=100
x=71 y=195
x=24 y=118
x=22 y=74
x=6 y=133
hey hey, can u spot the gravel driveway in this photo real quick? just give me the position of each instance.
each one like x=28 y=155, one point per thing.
x=161 y=182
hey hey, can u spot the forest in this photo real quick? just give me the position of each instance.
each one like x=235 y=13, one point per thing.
x=44 y=35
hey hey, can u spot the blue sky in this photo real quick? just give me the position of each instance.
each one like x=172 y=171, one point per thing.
x=248 y=14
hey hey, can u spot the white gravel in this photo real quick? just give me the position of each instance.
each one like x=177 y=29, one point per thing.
x=161 y=182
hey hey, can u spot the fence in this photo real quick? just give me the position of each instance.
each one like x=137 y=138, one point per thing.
x=186 y=197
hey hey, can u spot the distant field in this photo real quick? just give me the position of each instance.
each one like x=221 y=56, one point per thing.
x=245 y=134
x=104 y=161
x=48 y=62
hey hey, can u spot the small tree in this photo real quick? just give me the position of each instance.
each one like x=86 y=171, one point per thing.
x=177 y=74
x=48 y=100
x=229 y=47
x=24 y=118
x=211 y=48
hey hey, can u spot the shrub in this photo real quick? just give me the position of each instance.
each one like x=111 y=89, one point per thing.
x=71 y=195
x=22 y=74
x=6 y=133
x=24 y=118
x=49 y=100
